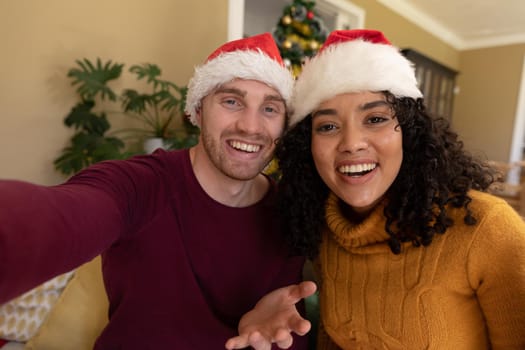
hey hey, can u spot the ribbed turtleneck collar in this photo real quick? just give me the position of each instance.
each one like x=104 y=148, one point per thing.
x=369 y=236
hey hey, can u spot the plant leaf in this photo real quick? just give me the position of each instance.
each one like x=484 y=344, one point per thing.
x=82 y=118
x=92 y=79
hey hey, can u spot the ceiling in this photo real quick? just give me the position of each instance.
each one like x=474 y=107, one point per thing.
x=466 y=24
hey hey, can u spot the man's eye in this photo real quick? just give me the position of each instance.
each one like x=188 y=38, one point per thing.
x=274 y=108
x=230 y=102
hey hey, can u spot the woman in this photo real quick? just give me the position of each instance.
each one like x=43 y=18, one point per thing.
x=411 y=253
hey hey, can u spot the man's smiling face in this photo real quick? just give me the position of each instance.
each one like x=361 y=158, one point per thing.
x=240 y=122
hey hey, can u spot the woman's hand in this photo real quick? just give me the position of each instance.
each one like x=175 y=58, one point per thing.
x=273 y=319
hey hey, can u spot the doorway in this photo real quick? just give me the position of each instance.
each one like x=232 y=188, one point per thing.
x=518 y=137
x=249 y=17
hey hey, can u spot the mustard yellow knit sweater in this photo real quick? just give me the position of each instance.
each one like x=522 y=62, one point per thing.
x=464 y=291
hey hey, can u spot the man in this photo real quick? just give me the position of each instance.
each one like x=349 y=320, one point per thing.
x=189 y=238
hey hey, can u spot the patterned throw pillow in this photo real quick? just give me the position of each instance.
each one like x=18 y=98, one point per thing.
x=21 y=317
x=79 y=315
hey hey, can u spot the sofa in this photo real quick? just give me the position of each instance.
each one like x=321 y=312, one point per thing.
x=68 y=312
x=79 y=313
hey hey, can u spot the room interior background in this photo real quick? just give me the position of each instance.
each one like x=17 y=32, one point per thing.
x=41 y=40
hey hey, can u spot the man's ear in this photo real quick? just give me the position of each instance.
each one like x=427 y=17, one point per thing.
x=198 y=116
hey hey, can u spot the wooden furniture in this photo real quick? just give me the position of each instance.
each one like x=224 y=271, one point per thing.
x=436 y=81
x=514 y=194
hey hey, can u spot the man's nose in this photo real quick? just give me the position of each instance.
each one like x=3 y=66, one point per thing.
x=250 y=121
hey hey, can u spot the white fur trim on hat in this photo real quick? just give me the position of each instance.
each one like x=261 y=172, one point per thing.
x=247 y=65
x=353 y=66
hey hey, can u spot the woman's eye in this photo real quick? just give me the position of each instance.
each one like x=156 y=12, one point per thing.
x=325 y=128
x=376 y=119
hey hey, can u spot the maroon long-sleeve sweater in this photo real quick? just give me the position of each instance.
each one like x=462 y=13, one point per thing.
x=179 y=268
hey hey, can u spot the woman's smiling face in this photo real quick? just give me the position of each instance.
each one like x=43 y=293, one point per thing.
x=357 y=147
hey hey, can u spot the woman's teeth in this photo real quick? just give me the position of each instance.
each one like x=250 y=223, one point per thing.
x=357 y=169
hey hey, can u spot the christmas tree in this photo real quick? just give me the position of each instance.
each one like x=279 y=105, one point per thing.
x=300 y=33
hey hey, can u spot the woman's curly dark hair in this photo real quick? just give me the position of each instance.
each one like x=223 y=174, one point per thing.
x=436 y=171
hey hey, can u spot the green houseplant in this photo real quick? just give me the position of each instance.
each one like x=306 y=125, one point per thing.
x=90 y=142
x=160 y=110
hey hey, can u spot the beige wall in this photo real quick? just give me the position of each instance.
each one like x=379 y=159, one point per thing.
x=41 y=40
x=404 y=34
x=485 y=107
x=488 y=81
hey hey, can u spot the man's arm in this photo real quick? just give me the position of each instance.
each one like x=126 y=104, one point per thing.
x=45 y=231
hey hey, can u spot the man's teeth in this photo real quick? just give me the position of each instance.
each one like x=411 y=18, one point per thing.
x=357 y=169
x=245 y=146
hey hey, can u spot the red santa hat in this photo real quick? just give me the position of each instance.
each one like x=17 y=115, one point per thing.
x=252 y=58
x=352 y=61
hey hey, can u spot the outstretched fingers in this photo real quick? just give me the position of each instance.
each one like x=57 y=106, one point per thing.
x=282 y=338
x=302 y=290
x=274 y=319
x=299 y=325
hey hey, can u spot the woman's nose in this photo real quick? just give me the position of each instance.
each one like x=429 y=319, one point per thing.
x=353 y=139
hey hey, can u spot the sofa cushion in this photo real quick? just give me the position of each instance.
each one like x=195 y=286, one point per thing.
x=79 y=315
x=21 y=317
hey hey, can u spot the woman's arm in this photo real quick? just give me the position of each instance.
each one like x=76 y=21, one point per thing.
x=496 y=266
